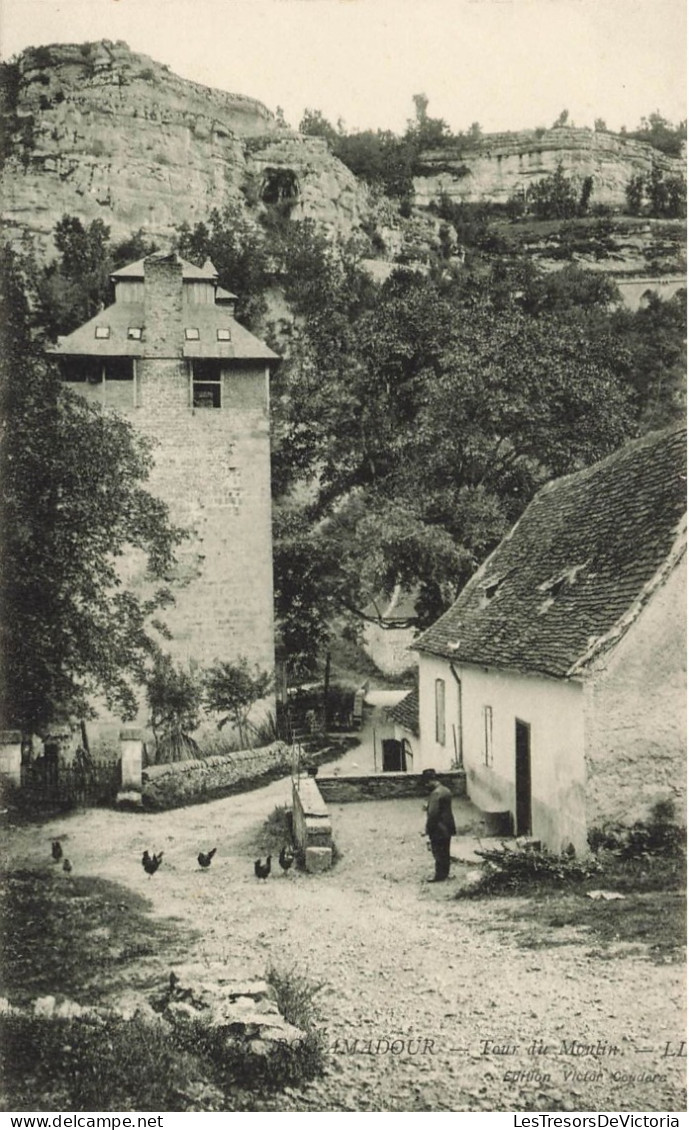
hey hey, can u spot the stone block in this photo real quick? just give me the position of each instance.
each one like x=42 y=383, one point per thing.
x=318 y=859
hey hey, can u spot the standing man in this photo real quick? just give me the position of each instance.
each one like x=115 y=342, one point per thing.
x=440 y=824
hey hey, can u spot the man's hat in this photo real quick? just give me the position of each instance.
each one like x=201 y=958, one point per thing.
x=428 y=775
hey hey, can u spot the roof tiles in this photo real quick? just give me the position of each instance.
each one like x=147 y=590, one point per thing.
x=582 y=558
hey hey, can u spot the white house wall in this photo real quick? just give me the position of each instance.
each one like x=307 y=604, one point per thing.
x=552 y=709
x=636 y=713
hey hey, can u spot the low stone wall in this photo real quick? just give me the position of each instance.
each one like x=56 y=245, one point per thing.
x=185 y=782
x=386 y=786
x=311 y=825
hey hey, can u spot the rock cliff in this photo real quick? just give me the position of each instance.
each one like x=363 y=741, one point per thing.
x=503 y=164
x=96 y=130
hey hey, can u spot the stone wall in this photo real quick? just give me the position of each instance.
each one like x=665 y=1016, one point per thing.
x=385 y=786
x=635 y=702
x=187 y=782
x=311 y=825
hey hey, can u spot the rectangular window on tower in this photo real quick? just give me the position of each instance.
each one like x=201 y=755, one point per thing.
x=206 y=385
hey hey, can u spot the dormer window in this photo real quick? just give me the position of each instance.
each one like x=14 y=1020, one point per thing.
x=223 y=335
x=102 y=332
x=192 y=334
x=134 y=333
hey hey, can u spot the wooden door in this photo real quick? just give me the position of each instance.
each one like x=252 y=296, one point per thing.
x=522 y=778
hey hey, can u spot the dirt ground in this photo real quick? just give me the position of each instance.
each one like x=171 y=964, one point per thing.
x=430 y=1003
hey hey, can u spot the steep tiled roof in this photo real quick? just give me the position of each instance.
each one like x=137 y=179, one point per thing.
x=207 y=319
x=406 y=712
x=577 y=567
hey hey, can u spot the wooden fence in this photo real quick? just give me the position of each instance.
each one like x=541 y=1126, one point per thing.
x=47 y=784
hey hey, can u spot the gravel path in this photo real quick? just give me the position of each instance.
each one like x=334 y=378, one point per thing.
x=418 y=988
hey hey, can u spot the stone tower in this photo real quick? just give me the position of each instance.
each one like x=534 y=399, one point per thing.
x=170 y=356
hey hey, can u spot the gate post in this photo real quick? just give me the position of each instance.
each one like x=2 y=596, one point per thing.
x=11 y=756
x=131 y=751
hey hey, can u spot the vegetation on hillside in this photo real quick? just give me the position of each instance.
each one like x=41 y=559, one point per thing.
x=413 y=420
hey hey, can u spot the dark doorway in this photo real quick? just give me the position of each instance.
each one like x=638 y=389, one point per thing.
x=523 y=778
x=394 y=760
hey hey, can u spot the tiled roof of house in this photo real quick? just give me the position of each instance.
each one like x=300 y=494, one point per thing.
x=406 y=712
x=577 y=568
x=119 y=318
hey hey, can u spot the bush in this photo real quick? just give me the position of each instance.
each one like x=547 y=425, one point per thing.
x=658 y=836
x=518 y=869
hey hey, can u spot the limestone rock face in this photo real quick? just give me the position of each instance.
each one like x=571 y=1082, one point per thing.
x=97 y=131
x=503 y=164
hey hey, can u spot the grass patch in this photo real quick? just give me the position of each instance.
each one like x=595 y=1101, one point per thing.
x=79 y=936
x=276 y=831
x=646 y=865
x=85 y=938
x=84 y=1065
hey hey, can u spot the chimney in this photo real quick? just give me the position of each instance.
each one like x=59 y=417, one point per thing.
x=164 y=328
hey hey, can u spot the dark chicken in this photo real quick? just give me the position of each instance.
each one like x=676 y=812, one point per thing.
x=286 y=858
x=205 y=857
x=56 y=851
x=151 y=863
x=262 y=870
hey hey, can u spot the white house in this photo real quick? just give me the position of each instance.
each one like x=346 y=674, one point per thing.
x=558 y=676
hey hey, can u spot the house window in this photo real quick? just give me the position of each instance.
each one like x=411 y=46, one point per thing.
x=224 y=335
x=440 y=711
x=191 y=334
x=134 y=333
x=102 y=331
x=488 y=735
x=206 y=385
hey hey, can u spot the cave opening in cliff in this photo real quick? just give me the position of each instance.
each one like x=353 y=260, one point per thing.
x=280 y=186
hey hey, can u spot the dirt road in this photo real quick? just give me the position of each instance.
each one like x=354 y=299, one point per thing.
x=430 y=1004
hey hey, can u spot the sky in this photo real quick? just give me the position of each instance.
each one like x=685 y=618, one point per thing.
x=507 y=64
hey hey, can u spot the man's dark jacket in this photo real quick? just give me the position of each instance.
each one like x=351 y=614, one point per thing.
x=440 y=823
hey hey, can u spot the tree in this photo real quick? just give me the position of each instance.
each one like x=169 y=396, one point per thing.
x=237 y=248
x=174 y=697
x=634 y=192
x=599 y=125
x=562 y=120
x=553 y=197
x=73 y=287
x=314 y=124
x=74 y=501
x=427 y=434
x=232 y=689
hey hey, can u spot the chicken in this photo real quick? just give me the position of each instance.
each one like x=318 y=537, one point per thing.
x=262 y=870
x=205 y=857
x=56 y=851
x=67 y=866
x=286 y=858
x=151 y=863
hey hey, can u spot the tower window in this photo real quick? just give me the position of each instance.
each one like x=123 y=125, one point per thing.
x=134 y=333
x=206 y=385
x=102 y=331
x=192 y=334
x=224 y=335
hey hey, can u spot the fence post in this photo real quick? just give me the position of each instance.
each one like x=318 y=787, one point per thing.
x=131 y=751
x=11 y=756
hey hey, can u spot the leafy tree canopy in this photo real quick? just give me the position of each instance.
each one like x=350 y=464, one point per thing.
x=73 y=501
